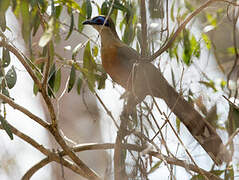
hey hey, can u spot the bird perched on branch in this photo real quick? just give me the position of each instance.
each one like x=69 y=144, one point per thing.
x=123 y=65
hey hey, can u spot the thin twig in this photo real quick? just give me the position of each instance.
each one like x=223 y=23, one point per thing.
x=107 y=110
x=181 y=142
x=144 y=43
x=180 y=28
x=185 y=165
x=23 y=60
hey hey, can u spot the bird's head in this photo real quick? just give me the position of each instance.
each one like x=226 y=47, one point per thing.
x=102 y=24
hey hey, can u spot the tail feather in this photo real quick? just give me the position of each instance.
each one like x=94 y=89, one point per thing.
x=200 y=129
x=149 y=81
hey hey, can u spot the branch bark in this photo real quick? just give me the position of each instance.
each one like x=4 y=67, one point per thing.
x=184 y=164
x=50 y=155
x=24 y=111
x=180 y=28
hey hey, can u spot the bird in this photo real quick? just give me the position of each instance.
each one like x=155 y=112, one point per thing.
x=140 y=78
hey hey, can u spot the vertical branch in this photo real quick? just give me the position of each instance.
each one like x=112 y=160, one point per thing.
x=144 y=43
x=234 y=21
x=119 y=157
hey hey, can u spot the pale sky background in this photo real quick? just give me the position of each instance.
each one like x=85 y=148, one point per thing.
x=23 y=94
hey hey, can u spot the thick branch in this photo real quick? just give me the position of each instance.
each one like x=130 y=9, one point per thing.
x=24 y=111
x=104 y=146
x=90 y=174
x=50 y=155
x=79 y=148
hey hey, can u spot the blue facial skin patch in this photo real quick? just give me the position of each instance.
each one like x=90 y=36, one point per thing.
x=100 y=21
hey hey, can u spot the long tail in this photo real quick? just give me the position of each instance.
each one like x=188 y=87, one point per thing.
x=200 y=129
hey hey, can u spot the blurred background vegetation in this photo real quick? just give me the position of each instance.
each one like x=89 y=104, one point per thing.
x=202 y=64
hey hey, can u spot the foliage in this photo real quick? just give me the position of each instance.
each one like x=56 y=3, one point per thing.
x=168 y=16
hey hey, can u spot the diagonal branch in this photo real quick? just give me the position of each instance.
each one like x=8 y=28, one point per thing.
x=23 y=61
x=105 y=146
x=184 y=164
x=79 y=148
x=50 y=155
x=24 y=111
x=180 y=28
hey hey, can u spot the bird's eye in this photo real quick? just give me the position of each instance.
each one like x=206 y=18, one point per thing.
x=98 y=21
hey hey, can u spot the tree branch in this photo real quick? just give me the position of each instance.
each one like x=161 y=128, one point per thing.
x=53 y=128
x=79 y=148
x=24 y=111
x=144 y=43
x=50 y=155
x=180 y=28
x=105 y=146
x=22 y=59
x=184 y=164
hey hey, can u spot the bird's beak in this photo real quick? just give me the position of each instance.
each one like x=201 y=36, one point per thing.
x=88 y=22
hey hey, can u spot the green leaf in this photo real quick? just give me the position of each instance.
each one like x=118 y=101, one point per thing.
x=101 y=81
x=189 y=5
x=209 y=84
x=211 y=19
x=217 y=172
x=5 y=57
x=79 y=85
x=178 y=122
x=88 y=9
x=58 y=10
x=229 y=173
x=223 y=84
x=198 y=177
x=5 y=92
x=35 y=89
x=51 y=80
x=187 y=52
x=71 y=26
x=207 y=41
x=6 y=127
x=119 y=6
x=11 y=77
x=232 y=123
x=72 y=78
x=4 y=4
x=88 y=61
x=155 y=167
x=81 y=18
x=195 y=47
x=95 y=51
x=3 y=21
x=36 y=23
x=172 y=11
x=26 y=20
x=57 y=83
x=48 y=34
x=232 y=50
x=90 y=66
x=104 y=8
x=156 y=9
